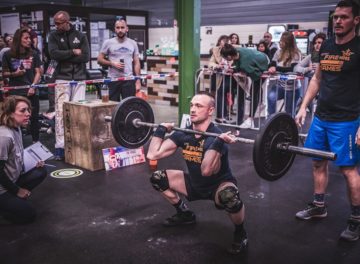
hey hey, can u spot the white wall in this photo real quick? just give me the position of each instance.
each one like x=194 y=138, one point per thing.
x=209 y=41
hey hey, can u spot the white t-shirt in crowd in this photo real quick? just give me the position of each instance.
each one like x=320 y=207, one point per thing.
x=117 y=50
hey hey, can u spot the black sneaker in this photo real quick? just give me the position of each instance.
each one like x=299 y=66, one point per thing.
x=352 y=231
x=312 y=211
x=185 y=218
x=239 y=247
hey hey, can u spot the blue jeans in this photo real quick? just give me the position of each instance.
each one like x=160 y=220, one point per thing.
x=277 y=93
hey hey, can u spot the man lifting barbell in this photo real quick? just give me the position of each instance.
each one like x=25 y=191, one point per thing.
x=209 y=178
x=205 y=152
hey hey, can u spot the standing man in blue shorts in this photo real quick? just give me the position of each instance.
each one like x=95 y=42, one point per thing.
x=209 y=177
x=336 y=122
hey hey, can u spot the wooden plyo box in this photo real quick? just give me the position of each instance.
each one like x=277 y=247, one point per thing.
x=86 y=133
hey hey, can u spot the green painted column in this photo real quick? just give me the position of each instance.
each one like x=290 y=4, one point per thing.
x=188 y=20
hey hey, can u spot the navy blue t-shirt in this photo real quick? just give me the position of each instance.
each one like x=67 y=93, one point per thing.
x=11 y=64
x=193 y=150
x=339 y=94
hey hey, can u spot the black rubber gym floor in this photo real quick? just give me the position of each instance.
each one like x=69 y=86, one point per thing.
x=116 y=217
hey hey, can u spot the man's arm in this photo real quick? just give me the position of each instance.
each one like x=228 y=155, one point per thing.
x=311 y=92
x=212 y=159
x=84 y=55
x=272 y=52
x=211 y=163
x=102 y=61
x=56 y=53
x=160 y=148
x=137 y=68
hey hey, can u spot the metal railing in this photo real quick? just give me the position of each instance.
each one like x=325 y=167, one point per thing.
x=280 y=92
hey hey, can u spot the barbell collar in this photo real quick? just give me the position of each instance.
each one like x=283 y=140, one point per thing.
x=314 y=153
x=108 y=118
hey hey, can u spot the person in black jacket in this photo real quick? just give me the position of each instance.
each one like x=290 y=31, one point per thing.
x=70 y=49
x=272 y=46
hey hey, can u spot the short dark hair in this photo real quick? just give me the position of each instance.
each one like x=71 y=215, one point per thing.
x=228 y=50
x=262 y=42
x=350 y=3
x=212 y=99
x=9 y=107
x=121 y=20
x=63 y=14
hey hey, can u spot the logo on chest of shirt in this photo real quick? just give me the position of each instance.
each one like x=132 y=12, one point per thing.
x=76 y=40
x=122 y=50
x=194 y=153
x=62 y=40
x=23 y=64
x=335 y=63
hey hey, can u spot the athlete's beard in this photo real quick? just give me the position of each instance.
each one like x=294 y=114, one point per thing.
x=343 y=34
x=121 y=35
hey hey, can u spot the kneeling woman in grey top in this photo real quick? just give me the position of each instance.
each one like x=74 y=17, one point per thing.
x=16 y=186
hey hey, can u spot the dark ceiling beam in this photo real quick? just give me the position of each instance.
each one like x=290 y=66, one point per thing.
x=264 y=19
x=217 y=12
x=267 y=12
x=314 y=4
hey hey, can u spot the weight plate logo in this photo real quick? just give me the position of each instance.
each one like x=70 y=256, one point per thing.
x=66 y=173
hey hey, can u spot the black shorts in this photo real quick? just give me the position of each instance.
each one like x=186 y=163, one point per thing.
x=205 y=193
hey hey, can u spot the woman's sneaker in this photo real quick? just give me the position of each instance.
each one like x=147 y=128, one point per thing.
x=247 y=124
x=352 y=231
x=220 y=120
x=185 y=218
x=312 y=211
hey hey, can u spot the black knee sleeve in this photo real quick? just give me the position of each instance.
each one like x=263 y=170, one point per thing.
x=229 y=199
x=159 y=180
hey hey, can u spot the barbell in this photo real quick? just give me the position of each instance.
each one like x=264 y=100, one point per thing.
x=275 y=147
